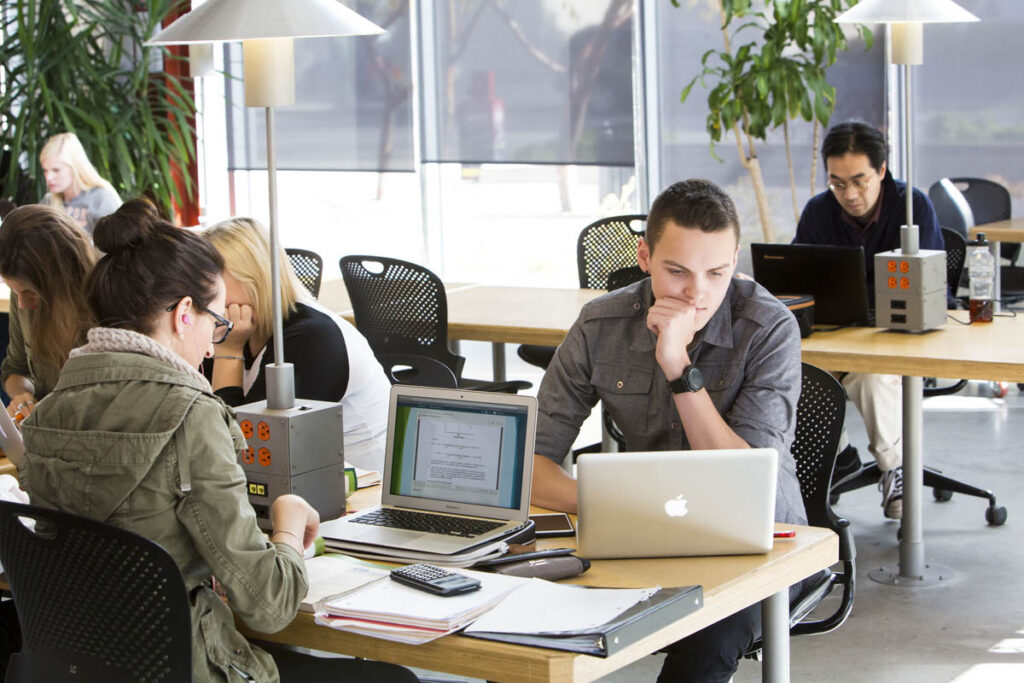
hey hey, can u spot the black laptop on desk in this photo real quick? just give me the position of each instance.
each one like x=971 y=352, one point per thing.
x=834 y=276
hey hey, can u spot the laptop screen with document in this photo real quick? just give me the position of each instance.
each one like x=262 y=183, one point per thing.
x=460 y=451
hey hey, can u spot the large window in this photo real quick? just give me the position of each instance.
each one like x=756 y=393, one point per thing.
x=969 y=94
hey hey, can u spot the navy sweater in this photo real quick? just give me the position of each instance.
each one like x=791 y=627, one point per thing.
x=821 y=223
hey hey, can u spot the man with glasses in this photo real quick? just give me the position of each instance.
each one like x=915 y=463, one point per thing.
x=865 y=207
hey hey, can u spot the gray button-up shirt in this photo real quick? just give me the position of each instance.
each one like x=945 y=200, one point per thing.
x=749 y=354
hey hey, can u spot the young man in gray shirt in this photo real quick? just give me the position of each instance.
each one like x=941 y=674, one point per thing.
x=690 y=358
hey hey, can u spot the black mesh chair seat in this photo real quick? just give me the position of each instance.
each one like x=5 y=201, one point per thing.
x=96 y=604
x=401 y=308
x=308 y=267
x=820 y=414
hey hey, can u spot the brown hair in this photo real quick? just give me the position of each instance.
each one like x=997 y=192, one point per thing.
x=45 y=249
x=693 y=203
x=149 y=264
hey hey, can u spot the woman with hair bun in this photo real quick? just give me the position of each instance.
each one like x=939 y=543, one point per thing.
x=73 y=184
x=132 y=410
x=44 y=260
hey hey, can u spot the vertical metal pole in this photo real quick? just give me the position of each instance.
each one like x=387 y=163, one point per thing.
x=912 y=540
x=646 y=96
x=907 y=144
x=775 y=630
x=280 y=376
x=426 y=129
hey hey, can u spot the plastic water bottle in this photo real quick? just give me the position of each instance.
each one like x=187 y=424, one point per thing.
x=981 y=270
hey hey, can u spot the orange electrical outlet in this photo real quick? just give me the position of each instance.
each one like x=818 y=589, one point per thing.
x=904 y=266
x=892 y=283
x=904 y=283
x=247 y=456
x=263 y=431
x=892 y=266
x=246 y=426
x=264 y=455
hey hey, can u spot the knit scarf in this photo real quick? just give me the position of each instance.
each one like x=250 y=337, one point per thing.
x=114 y=340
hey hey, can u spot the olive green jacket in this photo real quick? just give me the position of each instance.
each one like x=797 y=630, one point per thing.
x=19 y=359
x=130 y=440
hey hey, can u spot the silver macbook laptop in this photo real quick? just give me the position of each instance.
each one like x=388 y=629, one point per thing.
x=457 y=472
x=677 y=503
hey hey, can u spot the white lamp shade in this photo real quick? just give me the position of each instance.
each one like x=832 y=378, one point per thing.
x=900 y=11
x=232 y=20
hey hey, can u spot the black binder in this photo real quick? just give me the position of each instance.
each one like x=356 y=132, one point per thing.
x=642 y=619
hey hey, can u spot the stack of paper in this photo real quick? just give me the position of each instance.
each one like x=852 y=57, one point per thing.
x=365 y=478
x=334 y=576
x=394 y=611
x=381 y=554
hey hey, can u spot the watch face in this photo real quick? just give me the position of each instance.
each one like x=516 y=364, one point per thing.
x=694 y=378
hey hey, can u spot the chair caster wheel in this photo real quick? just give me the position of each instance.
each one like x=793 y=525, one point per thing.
x=942 y=495
x=995 y=516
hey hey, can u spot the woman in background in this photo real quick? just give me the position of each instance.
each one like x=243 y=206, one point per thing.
x=73 y=184
x=332 y=360
x=132 y=409
x=44 y=259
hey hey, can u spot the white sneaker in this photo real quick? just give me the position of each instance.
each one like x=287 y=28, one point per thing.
x=891 y=486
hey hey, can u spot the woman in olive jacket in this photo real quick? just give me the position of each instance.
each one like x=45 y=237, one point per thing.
x=132 y=435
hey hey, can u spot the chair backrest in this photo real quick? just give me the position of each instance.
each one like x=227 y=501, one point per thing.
x=607 y=245
x=308 y=267
x=820 y=413
x=988 y=201
x=411 y=368
x=95 y=602
x=956 y=255
x=400 y=307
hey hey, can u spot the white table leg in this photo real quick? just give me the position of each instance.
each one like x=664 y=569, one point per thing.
x=775 y=630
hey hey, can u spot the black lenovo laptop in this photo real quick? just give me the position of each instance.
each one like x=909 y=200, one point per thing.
x=834 y=276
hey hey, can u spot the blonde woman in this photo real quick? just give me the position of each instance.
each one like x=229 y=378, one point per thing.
x=73 y=184
x=44 y=259
x=332 y=360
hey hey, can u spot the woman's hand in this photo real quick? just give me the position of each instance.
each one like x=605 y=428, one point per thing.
x=244 y=325
x=294 y=521
x=21 y=404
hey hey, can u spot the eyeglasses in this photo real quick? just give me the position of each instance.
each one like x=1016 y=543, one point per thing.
x=858 y=184
x=221 y=326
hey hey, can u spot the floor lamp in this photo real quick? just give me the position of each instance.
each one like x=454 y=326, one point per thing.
x=906 y=19
x=267 y=29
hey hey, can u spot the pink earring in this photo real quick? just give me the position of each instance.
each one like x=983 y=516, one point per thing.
x=186 y=319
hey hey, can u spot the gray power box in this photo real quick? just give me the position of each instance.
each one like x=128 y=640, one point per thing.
x=910 y=290
x=298 y=450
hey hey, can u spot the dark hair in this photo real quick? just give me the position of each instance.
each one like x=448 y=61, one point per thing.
x=692 y=203
x=855 y=137
x=48 y=252
x=149 y=264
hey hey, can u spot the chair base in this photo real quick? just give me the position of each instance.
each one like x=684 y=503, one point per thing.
x=943 y=487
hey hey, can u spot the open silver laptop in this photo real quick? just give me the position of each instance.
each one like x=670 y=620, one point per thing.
x=676 y=503
x=457 y=472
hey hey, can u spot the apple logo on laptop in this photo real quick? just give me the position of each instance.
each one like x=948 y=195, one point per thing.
x=676 y=507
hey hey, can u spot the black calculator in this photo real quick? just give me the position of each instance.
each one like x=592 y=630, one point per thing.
x=434 y=580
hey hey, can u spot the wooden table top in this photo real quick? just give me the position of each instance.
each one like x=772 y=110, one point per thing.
x=987 y=351
x=1000 y=231
x=729 y=584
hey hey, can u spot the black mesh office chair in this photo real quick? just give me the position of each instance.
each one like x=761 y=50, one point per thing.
x=401 y=307
x=820 y=414
x=987 y=202
x=411 y=368
x=97 y=604
x=956 y=253
x=603 y=247
x=308 y=267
